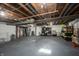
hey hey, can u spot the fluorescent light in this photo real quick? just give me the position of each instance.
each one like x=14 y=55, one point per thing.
x=46 y=51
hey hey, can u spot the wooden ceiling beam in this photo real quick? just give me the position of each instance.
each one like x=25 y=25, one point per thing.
x=18 y=15
x=36 y=9
x=64 y=17
x=73 y=9
x=25 y=8
x=39 y=15
x=62 y=11
x=50 y=19
x=69 y=18
x=15 y=9
x=33 y=10
x=68 y=9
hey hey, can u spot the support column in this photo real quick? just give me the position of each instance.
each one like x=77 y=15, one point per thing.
x=17 y=31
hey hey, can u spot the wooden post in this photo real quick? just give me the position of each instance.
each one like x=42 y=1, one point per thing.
x=17 y=32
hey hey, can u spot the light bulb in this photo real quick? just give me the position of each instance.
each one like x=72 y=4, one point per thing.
x=41 y=6
x=2 y=13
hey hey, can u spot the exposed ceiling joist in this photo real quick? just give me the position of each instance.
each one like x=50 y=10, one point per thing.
x=25 y=11
x=15 y=8
x=73 y=9
x=64 y=9
x=64 y=17
x=33 y=9
x=36 y=10
x=17 y=15
x=68 y=9
x=69 y=18
x=50 y=19
x=39 y=15
x=25 y=8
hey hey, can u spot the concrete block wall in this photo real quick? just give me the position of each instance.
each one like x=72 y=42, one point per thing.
x=6 y=31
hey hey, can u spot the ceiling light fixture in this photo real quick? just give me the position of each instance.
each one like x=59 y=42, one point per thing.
x=2 y=13
x=43 y=5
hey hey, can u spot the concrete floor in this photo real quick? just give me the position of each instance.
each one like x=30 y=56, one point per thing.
x=39 y=46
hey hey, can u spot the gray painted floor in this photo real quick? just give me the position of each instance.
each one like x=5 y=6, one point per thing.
x=39 y=46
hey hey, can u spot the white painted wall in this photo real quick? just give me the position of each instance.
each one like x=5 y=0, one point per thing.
x=38 y=30
x=32 y=28
x=6 y=31
x=76 y=25
x=21 y=32
x=57 y=28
